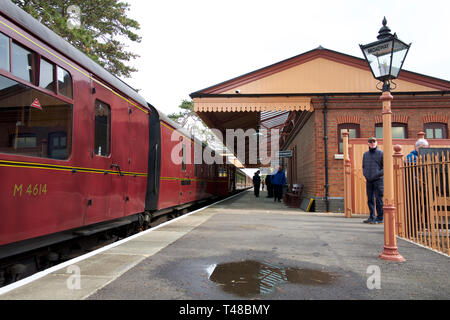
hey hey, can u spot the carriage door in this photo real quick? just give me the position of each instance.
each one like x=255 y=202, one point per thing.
x=138 y=160
x=231 y=178
x=187 y=172
x=184 y=174
x=111 y=150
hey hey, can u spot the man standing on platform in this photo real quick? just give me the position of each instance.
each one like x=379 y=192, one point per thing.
x=256 y=183
x=373 y=172
x=269 y=186
x=278 y=180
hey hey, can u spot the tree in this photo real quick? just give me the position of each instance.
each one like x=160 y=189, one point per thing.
x=189 y=120
x=101 y=23
x=187 y=113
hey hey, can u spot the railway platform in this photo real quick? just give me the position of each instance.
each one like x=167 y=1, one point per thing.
x=246 y=248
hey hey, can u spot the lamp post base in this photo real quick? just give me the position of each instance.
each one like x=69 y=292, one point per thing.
x=390 y=249
x=391 y=254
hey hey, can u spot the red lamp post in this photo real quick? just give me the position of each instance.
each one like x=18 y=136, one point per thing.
x=385 y=58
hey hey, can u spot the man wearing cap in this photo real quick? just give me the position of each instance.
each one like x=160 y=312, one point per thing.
x=373 y=172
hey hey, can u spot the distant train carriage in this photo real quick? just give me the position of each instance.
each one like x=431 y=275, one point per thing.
x=243 y=181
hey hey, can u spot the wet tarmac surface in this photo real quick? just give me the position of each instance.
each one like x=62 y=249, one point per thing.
x=250 y=278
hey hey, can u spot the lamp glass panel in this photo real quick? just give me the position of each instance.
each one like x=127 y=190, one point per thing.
x=379 y=58
x=398 y=56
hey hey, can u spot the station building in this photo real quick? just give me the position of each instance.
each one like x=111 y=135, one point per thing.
x=311 y=98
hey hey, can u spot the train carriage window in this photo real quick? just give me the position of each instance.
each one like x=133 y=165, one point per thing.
x=64 y=83
x=28 y=117
x=22 y=62
x=47 y=75
x=183 y=158
x=4 y=52
x=222 y=171
x=102 y=128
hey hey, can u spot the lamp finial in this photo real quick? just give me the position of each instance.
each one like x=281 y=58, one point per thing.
x=384 y=31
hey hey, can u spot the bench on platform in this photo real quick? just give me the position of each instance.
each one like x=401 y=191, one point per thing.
x=293 y=198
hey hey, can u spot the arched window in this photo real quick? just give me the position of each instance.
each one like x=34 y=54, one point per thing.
x=435 y=130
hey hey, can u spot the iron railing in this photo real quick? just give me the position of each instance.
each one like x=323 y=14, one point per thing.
x=423 y=200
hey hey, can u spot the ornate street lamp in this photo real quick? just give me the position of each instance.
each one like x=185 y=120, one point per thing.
x=385 y=58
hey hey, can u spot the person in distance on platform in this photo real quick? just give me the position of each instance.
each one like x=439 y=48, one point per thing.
x=278 y=180
x=256 y=183
x=269 y=186
x=373 y=172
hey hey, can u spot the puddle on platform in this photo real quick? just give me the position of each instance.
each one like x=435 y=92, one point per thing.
x=248 y=278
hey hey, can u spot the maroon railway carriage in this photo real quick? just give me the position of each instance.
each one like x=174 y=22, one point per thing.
x=79 y=147
x=182 y=180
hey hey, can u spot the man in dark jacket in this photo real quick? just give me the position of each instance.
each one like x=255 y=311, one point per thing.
x=373 y=172
x=256 y=183
x=278 y=180
x=269 y=186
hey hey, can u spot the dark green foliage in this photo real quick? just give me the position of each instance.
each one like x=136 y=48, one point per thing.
x=103 y=22
x=186 y=113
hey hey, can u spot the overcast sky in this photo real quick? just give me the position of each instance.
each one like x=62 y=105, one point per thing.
x=188 y=45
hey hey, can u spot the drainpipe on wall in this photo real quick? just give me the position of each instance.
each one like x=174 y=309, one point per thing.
x=325 y=139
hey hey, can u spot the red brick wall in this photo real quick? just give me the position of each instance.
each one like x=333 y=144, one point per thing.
x=306 y=156
x=412 y=111
x=367 y=111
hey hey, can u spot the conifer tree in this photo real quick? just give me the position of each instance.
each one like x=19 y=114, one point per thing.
x=190 y=121
x=95 y=27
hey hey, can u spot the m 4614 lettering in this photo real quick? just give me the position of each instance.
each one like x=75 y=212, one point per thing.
x=32 y=190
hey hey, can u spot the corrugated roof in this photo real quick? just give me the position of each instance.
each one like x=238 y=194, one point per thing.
x=272 y=119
